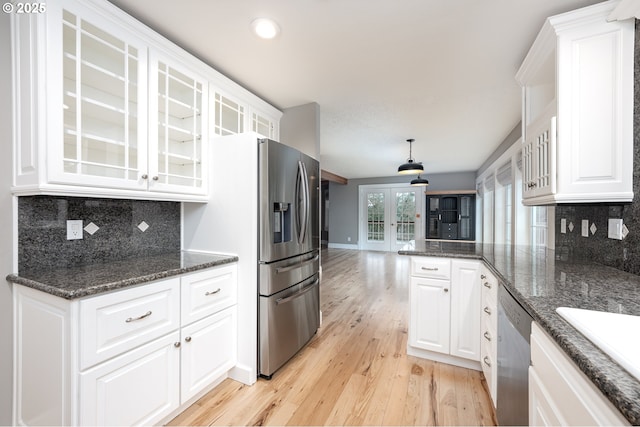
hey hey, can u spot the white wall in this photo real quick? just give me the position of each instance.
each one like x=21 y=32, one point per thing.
x=300 y=128
x=6 y=224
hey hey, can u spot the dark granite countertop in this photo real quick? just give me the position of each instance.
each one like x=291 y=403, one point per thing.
x=541 y=284
x=93 y=279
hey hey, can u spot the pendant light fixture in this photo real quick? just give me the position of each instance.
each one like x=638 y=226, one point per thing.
x=419 y=182
x=411 y=167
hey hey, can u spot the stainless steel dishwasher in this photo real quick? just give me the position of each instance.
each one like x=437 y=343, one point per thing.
x=514 y=358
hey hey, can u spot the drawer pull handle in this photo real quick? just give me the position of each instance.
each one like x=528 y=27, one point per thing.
x=487 y=336
x=430 y=268
x=176 y=344
x=133 y=319
x=482 y=276
x=487 y=310
x=211 y=292
x=487 y=285
x=188 y=339
x=486 y=361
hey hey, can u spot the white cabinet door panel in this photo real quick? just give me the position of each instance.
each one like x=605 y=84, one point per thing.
x=465 y=309
x=208 y=351
x=429 y=317
x=137 y=388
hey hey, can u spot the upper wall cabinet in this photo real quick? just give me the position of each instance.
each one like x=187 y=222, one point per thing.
x=577 y=114
x=104 y=106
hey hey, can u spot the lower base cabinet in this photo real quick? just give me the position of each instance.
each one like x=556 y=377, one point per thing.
x=138 y=363
x=559 y=393
x=444 y=305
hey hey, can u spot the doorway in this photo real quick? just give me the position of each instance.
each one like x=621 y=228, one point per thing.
x=389 y=216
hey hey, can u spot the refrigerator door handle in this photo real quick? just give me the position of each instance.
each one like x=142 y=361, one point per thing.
x=301 y=213
x=297 y=294
x=296 y=265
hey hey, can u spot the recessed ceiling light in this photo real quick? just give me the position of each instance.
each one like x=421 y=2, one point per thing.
x=265 y=28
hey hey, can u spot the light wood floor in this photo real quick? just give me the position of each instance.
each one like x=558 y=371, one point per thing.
x=355 y=371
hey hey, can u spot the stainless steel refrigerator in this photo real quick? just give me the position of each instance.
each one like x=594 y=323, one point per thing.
x=289 y=261
x=264 y=207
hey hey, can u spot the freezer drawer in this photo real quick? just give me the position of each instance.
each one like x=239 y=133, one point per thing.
x=280 y=275
x=288 y=320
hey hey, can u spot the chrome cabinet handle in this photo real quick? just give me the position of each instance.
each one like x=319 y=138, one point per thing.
x=176 y=344
x=430 y=268
x=486 y=361
x=155 y=178
x=487 y=310
x=211 y=292
x=482 y=276
x=487 y=285
x=133 y=319
x=188 y=339
x=145 y=176
x=487 y=336
x=446 y=289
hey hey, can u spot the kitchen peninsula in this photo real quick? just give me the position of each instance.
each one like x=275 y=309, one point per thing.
x=541 y=283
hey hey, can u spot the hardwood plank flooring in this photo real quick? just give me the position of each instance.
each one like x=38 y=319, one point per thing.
x=355 y=371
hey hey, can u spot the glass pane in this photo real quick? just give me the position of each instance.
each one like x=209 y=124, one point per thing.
x=100 y=102
x=405 y=216
x=179 y=128
x=375 y=217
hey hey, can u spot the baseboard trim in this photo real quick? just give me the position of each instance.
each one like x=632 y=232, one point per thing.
x=343 y=246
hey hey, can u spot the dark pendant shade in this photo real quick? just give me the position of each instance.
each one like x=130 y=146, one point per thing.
x=419 y=182
x=411 y=167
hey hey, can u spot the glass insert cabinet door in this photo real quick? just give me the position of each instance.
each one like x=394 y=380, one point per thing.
x=103 y=105
x=389 y=217
x=178 y=130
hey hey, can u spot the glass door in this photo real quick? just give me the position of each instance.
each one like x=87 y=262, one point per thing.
x=103 y=106
x=389 y=217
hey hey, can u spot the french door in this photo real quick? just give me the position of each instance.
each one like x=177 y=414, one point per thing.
x=389 y=217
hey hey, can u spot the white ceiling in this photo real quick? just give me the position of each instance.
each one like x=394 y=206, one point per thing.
x=382 y=71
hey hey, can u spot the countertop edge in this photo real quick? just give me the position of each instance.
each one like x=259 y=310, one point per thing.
x=119 y=284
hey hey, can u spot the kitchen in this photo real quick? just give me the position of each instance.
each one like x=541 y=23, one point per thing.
x=10 y=236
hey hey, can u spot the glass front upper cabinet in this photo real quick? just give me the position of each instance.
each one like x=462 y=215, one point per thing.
x=104 y=124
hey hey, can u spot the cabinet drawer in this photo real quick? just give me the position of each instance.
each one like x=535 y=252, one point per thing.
x=489 y=284
x=207 y=292
x=488 y=360
x=433 y=267
x=119 y=321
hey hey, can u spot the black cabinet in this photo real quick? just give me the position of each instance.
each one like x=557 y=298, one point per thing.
x=451 y=217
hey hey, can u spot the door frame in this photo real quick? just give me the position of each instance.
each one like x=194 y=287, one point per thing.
x=362 y=223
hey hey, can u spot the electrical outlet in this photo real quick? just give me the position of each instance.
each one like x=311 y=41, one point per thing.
x=585 y=228
x=348 y=239
x=74 y=229
x=615 y=228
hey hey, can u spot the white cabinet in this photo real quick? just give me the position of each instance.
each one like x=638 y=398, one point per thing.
x=577 y=115
x=139 y=387
x=130 y=356
x=106 y=107
x=465 y=302
x=444 y=303
x=559 y=393
x=430 y=314
x=488 y=329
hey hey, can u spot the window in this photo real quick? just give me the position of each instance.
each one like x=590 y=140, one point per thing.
x=502 y=216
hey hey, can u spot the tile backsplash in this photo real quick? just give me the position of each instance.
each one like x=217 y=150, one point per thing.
x=125 y=228
x=622 y=254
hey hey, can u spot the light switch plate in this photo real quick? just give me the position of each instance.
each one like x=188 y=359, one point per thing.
x=585 y=228
x=615 y=228
x=563 y=225
x=74 y=229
